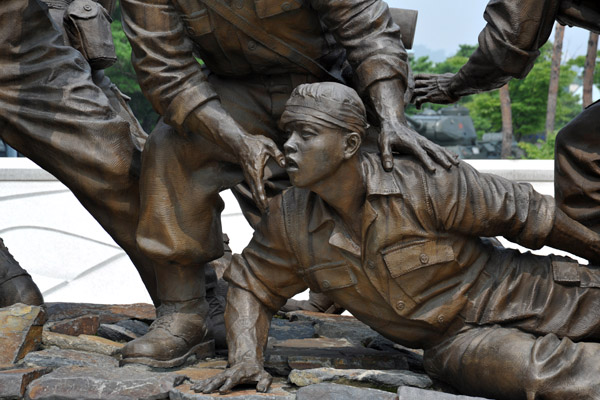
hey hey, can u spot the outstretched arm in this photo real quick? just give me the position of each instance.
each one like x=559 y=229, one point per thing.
x=247 y=321
x=569 y=235
x=508 y=48
x=261 y=279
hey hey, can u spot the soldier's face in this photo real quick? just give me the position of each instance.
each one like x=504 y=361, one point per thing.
x=313 y=152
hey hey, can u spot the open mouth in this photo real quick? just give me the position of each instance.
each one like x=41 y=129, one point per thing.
x=290 y=164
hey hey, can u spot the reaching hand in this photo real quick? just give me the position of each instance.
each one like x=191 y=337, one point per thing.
x=433 y=88
x=253 y=152
x=400 y=137
x=244 y=372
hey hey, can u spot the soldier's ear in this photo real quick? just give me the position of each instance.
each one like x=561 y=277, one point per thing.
x=352 y=142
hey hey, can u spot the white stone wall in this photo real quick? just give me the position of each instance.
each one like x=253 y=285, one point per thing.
x=71 y=258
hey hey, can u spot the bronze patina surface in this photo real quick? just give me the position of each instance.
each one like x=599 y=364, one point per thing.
x=403 y=252
x=508 y=48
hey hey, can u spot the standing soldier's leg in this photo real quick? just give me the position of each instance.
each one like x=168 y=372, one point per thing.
x=180 y=229
x=53 y=113
x=577 y=168
x=16 y=285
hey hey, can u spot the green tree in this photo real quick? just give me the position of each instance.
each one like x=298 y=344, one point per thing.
x=123 y=75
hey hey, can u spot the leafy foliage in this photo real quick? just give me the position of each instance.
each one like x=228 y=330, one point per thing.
x=529 y=97
x=542 y=150
x=123 y=75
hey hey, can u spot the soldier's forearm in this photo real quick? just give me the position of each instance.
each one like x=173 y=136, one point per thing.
x=569 y=235
x=247 y=321
x=214 y=124
x=387 y=99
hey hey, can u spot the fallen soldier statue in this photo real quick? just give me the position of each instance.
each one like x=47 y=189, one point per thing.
x=405 y=252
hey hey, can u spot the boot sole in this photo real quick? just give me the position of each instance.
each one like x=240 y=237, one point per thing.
x=202 y=351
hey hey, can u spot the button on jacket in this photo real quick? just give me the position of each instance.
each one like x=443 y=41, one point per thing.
x=421 y=266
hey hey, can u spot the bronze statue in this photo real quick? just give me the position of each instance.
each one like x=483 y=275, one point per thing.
x=59 y=109
x=55 y=110
x=16 y=285
x=220 y=124
x=403 y=252
x=508 y=47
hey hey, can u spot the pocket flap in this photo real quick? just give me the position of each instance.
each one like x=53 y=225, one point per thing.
x=565 y=271
x=332 y=276
x=269 y=8
x=403 y=258
x=83 y=9
x=198 y=23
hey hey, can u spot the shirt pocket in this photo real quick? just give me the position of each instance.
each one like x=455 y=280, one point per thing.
x=198 y=23
x=330 y=276
x=270 y=8
x=423 y=269
x=402 y=258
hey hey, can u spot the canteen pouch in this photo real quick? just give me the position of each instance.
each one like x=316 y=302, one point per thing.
x=87 y=24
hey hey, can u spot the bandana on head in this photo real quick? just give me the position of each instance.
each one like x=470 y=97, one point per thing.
x=326 y=103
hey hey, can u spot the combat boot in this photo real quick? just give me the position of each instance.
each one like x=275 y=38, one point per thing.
x=180 y=330
x=16 y=285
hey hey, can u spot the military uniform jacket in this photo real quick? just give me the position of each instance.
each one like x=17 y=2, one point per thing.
x=421 y=265
x=515 y=31
x=167 y=35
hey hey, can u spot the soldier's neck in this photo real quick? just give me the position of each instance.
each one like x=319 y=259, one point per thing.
x=345 y=192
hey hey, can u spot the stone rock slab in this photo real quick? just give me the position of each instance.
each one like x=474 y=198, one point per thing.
x=332 y=391
x=282 y=329
x=56 y=358
x=116 y=333
x=84 y=325
x=409 y=393
x=86 y=343
x=313 y=343
x=20 y=331
x=374 y=378
x=348 y=327
x=276 y=392
x=107 y=313
x=83 y=383
x=13 y=383
x=280 y=361
x=140 y=328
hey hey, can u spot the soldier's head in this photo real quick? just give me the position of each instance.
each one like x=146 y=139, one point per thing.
x=326 y=123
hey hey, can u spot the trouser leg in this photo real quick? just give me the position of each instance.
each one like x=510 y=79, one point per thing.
x=508 y=364
x=52 y=112
x=180 y=230
x=16 y=285
x=577 y=168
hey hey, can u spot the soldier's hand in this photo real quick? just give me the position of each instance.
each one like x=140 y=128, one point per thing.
x=398 y=136
x=433 y=88
x=245 y=372
x=253 y=152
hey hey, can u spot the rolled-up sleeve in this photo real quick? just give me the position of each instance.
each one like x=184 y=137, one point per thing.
x=268 y=268
x=372 y=40
x=162 y=56
x=508 y=45
x=477 y=204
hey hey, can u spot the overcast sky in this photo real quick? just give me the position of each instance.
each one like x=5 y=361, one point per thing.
x=442 y=25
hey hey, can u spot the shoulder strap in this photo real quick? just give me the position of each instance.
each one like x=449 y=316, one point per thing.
x=275 y=44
